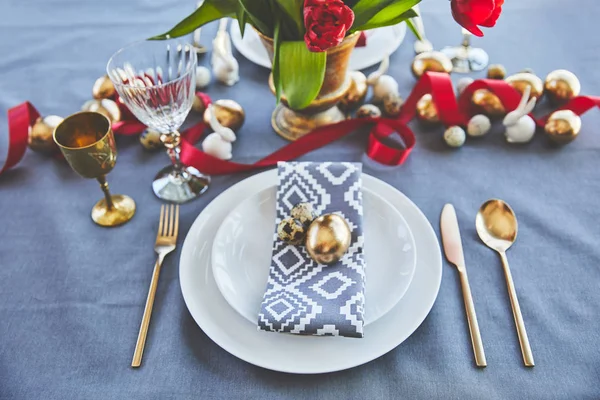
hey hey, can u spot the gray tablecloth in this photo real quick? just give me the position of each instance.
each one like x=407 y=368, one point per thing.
x=72 y=294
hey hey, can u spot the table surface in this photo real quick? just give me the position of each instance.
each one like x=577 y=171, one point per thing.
x=72 y=294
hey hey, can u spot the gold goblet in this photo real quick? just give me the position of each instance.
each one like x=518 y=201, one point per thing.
x=88 y=144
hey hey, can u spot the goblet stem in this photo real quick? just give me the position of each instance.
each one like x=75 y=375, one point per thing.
x=107 y=196
x=171 y=141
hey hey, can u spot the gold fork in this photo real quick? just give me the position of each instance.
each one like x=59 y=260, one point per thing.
x=166 y=239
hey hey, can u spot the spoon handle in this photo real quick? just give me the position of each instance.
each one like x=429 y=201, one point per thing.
x=478 y=351
x=514 y=302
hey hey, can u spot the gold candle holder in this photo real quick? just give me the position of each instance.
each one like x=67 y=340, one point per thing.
x=88 y=144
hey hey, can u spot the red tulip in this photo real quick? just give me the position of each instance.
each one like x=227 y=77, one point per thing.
x=471 y=13
x=326 y=23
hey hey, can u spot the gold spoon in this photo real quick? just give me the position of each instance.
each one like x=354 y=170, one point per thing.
x=496 y=225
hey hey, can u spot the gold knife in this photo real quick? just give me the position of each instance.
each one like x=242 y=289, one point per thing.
x=454 y=254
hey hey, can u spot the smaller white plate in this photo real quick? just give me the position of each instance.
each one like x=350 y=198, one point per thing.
x=241 y=254
x=380 y=42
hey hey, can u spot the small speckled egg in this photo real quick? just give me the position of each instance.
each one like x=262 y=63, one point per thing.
x=151 y=140
x=304 y=213
x=392 y=103
x=368 y=111
x=479 y=125
x=291 y=231
x=455 y=136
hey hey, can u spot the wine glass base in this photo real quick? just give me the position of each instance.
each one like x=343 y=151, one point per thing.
x=179 y=186
x=123 y=211
x=466 y=59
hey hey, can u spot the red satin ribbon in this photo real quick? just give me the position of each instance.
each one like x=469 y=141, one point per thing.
x=452 y=111
x=20 y=119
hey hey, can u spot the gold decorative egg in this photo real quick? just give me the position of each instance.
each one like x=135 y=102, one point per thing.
x=434 y=61
x=489 y=103
x=328 y=238
x=563 y=126
x=103 y=88
x=496 y=71
x=229 y=113
x=562 y=85
x=40 y=135
x=106 y=107
x=426 y=110
x=523 y=79
x=357 y=92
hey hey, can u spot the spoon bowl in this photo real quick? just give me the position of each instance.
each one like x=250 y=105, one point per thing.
x=496 y=225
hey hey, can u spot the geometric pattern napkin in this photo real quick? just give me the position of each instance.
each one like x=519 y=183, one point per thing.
x=304 y=297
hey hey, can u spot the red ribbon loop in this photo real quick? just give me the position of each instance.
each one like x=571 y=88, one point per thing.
x=20 y=119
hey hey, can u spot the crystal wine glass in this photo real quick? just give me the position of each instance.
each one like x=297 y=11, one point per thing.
x=157 y=82
x=465 y=58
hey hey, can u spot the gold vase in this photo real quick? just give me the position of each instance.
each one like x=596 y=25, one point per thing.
x=293 y=124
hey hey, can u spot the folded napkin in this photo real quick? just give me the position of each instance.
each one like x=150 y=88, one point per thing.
x=302 y=296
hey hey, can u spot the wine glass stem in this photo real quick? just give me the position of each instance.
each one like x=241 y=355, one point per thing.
x=107 y=196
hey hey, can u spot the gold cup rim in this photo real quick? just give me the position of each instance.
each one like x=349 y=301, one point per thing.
x=95 y=114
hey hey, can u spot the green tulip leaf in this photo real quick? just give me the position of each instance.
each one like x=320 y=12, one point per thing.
x=378 y=13
x=302 y=73
x=209 y=11
x=379 y=23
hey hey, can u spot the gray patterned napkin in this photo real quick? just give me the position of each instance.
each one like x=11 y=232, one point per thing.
x=302 y=296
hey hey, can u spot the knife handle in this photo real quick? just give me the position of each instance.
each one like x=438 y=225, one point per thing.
x=472 y=319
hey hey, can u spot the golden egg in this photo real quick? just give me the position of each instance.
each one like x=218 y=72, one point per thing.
x=489 y=103
x=328 y=238
x=426 y=110
x=106 y=107
x=523 y=79
x=229 y=113
x=433 y=61
x=562 y=85
x=103 y=88
x=40 y=135
x=563 y=126
x=496 y=71
x=356 y=93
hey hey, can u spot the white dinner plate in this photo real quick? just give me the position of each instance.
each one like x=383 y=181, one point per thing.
x=380 y=42
x=295 y=353
x=242 y=248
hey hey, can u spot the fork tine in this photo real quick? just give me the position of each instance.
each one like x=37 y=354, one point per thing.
x=166 y=223
x=170 y=232
x=176 y=229
x=160 y=221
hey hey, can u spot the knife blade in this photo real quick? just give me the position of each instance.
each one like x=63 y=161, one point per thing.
x=451 y=237
x=454 y=253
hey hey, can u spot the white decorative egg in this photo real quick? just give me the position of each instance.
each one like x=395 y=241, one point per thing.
x=203 y=77
x=385 y=85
